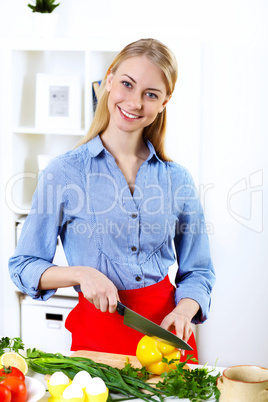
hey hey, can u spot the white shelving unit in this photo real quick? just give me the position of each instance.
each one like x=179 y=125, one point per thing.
x=21 y=141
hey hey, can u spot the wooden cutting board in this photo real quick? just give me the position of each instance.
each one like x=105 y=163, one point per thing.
x=113 y=360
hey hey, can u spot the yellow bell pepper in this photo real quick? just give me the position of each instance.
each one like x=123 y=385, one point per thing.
x=150 y=352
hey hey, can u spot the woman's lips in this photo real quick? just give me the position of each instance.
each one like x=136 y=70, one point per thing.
x=127 y=115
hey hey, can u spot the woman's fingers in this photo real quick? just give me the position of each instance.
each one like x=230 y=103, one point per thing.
x=108 y=303
x=99 y=290
x=168 y=322
x=178 y=322
x=180 y=318
x=113 y=303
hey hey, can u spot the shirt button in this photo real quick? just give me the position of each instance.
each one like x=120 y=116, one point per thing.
x=133 y=248
x=134 y=216
x=138 y=278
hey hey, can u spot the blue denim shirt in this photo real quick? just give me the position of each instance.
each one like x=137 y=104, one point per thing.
x=83 y=197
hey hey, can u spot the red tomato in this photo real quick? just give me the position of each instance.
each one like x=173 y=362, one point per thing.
x=11 y=372
x=5 y=394
x=17 y=388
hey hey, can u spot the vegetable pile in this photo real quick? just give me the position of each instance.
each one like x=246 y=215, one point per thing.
x=12 y=371
x=12 y=385
x=198 y=384
x=118 y=381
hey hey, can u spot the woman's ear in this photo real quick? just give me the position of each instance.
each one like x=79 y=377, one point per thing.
x=165 y=103
x=109 y=82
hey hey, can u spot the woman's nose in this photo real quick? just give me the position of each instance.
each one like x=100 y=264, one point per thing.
x=135 y=100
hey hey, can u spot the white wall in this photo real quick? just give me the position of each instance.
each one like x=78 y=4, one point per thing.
x=1 y=207
x=234 y=160
x=221 y=136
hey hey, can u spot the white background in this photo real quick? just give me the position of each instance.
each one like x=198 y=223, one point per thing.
x=219 y=133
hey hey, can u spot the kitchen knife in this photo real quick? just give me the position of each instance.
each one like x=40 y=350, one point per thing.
x=147 y=327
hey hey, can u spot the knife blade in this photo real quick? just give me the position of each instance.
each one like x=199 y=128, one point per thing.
x=147 y=327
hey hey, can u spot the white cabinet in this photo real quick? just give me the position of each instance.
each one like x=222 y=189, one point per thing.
x=42 y=323
x=22 y=141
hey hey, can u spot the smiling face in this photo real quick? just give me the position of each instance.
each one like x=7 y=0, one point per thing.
x=137 y=93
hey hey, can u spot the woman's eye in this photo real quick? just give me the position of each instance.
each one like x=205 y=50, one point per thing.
x=152 y=95
x=127 y=84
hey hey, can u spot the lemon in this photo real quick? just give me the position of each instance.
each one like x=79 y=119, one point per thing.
x=13 y=359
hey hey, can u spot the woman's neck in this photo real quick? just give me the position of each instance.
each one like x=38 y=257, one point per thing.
x=123 y=145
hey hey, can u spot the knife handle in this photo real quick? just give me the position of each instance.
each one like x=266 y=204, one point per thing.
x=120 y=308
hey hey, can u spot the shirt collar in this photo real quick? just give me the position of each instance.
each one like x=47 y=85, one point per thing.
x=95 y=147
x=152 y=152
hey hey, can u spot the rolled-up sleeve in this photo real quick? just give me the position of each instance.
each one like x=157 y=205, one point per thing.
x=38 y=240
x=195 y=276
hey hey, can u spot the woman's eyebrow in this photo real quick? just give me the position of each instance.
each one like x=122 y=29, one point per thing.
x=132 y=79
x=149 y=89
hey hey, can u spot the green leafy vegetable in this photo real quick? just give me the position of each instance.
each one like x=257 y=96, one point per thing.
x=120 y=381
x=141 y=373
x=14 y=344
x=197 y=385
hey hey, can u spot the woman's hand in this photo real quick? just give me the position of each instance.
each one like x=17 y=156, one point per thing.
x=98 y=289
x=180 y=318
x=95 y=286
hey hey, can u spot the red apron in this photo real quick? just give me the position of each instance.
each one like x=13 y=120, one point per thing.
x=105 y=332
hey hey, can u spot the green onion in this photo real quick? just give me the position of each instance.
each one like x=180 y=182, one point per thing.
x=115 y=379
x=128 y=383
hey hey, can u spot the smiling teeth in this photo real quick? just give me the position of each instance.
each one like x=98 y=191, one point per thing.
x=129 y=115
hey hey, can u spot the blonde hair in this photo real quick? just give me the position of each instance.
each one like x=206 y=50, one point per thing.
x=160 y=55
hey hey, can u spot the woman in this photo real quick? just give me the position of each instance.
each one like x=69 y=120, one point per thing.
x=119 y=204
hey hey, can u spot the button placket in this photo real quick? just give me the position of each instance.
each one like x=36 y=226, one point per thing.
x=134 y=215
x=134 y=232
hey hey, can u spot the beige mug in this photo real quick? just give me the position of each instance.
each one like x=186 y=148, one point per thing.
x=243 y=384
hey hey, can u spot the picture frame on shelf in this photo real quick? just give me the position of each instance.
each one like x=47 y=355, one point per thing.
x=58 y=102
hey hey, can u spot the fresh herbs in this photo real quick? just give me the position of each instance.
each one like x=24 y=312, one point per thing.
x=197 y=384
x=125 y=382
x=12 y=344
x=141 y=373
